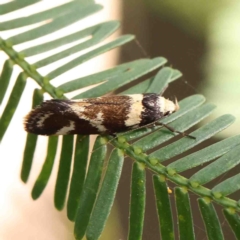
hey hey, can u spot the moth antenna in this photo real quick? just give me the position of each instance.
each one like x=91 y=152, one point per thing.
x=176 y=104
x=142 y=49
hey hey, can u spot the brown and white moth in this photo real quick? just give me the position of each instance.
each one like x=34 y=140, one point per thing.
x=101 y=115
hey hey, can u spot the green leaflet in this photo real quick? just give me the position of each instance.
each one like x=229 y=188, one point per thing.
x=12 y=103
x=164 y=209
x=45 y=173
x=106 y=195
x=78 y=175
x=120 y=81
x=184 y=214
x=63 y=172
x=181 y=124
x=227 y=187
x=118 y=42
x=234 y=221
x=207 y=154
x=137 y=204
x=5 y=77
x=90 y=188
x=30 y=142
x=201 y=135
x=97 y=34
x=12 y=6
x=75 y=13
x=218 y=167
x=210 y=219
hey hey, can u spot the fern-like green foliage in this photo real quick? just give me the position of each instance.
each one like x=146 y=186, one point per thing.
x=89 y=202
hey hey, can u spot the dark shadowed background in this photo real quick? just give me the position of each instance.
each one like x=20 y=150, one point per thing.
x=186 y=33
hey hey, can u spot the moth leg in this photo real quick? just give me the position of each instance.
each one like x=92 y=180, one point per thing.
x=152 y=125
x=113 y=134
x=173 y=130
x=110 y=133
x=81 y=138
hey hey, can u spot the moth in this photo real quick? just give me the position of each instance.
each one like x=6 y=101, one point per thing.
x=101 y=115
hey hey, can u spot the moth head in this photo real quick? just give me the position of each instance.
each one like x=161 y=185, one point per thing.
x=170 y=106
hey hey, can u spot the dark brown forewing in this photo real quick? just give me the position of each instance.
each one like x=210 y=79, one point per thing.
x=110 y=112
x=86 y=116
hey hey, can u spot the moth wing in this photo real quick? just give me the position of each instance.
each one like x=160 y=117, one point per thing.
x=56 y=117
